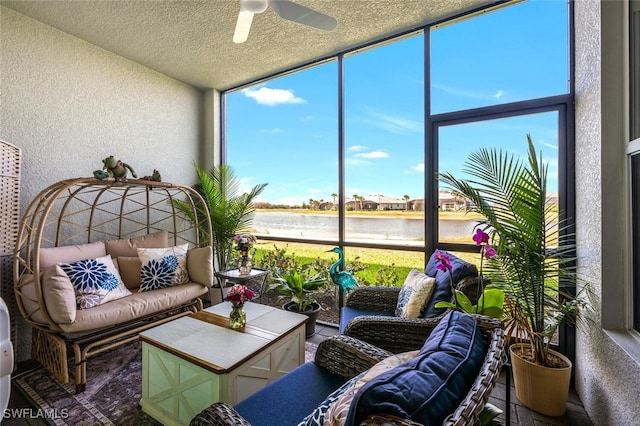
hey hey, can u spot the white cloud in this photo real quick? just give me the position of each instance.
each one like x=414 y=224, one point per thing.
x=273 y=97
x=274 y=130
x=356 y=148
x=395 y=124
x=469 y=94
x=372 y=155
x=418 y=168
x=547 y=144
x=459 y=92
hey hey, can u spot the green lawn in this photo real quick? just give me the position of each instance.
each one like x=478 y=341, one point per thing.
x=388 y=267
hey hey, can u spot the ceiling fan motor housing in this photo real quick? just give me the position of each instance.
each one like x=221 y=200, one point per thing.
x=254 y=6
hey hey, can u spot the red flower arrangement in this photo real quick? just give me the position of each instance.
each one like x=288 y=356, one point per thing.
x=239 y=294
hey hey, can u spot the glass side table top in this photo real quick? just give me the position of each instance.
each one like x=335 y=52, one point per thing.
x=234 y=274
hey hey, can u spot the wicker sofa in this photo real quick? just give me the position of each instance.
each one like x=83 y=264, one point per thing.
x=449 y=381
x=99 y=261
x=369 y=313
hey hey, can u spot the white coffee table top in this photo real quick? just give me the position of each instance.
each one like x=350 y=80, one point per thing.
x=205 y=338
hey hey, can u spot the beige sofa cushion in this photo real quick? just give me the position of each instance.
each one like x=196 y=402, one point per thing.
x=131 y=307
x=128 y=247
x=59 y=295
x=200 y=265
x=67 y=254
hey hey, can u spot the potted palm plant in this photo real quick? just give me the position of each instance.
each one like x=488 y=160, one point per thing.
x=231 y=210
x=534 y=262
x=300 y=289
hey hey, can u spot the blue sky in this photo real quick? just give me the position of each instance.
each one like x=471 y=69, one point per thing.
x=285 y=131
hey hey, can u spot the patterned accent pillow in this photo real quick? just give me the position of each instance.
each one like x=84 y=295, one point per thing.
x=414 y=294
x=339 y=409
x=163 y=267
x=95 y=281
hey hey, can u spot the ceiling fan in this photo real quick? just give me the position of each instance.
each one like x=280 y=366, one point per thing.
x=285 y=9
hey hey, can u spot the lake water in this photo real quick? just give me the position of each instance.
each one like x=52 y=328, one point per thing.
x=310 y=226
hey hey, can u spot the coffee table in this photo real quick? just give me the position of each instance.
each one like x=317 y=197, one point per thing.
x=191 y=362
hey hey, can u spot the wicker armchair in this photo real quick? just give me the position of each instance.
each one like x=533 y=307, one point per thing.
x=347 y=357
x=394 y=334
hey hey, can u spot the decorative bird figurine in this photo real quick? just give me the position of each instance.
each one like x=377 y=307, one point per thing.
x=343 y=279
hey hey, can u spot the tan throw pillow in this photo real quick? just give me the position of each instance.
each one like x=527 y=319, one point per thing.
x=163 y=267
x=200 y=265
x=59 y=295
x=95 y=281
x=128 y=247
x=414 y=295
x=130 y=271
x=339 y=409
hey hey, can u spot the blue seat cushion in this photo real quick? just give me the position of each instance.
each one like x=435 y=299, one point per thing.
x=427 y=388
x=347 y=314
x=287 y=400
x=442 y=291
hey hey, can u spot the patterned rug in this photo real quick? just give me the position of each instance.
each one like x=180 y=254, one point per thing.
x=114 y=388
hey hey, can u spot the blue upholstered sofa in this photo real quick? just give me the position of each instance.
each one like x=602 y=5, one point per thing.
x=447 y=381
x=369 y=313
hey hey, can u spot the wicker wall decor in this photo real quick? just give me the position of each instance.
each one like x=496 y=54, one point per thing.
x=10 y=157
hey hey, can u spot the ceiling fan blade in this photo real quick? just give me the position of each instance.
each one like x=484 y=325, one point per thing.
x=303 y=15
x=243 y=25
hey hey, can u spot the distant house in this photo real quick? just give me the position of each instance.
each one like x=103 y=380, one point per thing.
x=387 y=203
x=448 y=201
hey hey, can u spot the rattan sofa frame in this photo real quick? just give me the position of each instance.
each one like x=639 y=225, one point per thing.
x=85 y=210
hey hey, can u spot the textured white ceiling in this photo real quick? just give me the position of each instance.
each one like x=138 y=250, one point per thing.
x=190 y=40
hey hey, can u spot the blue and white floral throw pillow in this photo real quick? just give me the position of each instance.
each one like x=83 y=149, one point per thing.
x=163 y=267
x=95 y=281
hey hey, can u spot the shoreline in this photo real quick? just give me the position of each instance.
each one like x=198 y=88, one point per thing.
x=388 y=214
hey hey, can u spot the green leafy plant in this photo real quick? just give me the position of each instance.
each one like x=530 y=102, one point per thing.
x=535 y=252
x=231 y=211
x=298 y=288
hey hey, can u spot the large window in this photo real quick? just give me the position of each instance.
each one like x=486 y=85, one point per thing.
x=457 y=141
x=351 y=148
x=285 y=132
x=513 y=54
x=384 y=143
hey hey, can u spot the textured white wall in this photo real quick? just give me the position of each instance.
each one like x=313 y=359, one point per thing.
x=607 y=373
x=68 y=104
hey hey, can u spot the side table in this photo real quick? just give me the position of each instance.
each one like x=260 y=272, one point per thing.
x=233 y=275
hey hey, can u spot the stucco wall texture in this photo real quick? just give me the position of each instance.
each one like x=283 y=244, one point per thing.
x=68 y=104
x=606 y=375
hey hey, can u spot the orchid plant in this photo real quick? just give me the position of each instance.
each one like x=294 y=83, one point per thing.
x=239 y=294
x=491 y=300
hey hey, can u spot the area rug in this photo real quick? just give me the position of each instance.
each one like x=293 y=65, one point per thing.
x=114 y=388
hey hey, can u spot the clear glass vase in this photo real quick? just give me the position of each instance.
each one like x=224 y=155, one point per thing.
x=237 y=317
x=244 y=264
